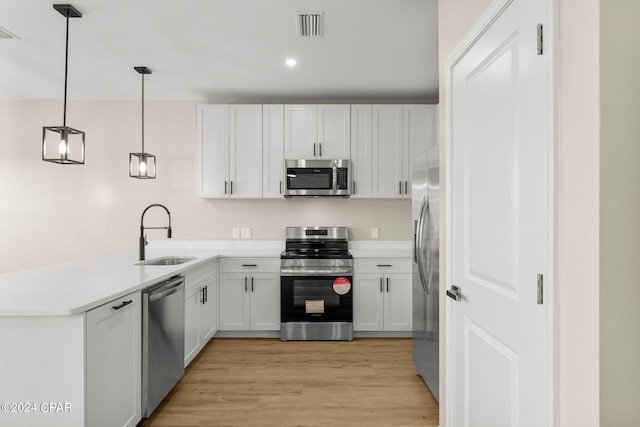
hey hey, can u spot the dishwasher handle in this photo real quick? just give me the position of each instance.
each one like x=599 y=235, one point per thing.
x=165 y=289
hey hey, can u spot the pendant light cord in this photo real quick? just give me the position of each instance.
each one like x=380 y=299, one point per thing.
x=143 y=112
x=66 y=66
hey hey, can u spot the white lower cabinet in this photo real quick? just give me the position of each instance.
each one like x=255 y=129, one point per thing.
x=249 y=294
x=200 y=308
x=382 y=294
x=113 y=370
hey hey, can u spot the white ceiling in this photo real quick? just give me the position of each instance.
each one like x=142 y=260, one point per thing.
x=230 y=50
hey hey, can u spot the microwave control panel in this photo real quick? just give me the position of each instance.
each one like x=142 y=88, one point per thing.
x=342 y=178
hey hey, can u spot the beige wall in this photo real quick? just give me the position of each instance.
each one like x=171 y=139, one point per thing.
x=578 y=213
x=52 y=213
x=619 y=214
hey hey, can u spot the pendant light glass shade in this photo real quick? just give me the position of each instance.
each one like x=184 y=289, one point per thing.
x=142 y=165
x=62 y=144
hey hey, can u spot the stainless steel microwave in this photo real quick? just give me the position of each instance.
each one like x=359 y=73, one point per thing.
x=317 y=178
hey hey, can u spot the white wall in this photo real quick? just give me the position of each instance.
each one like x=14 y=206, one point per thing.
x=619 y=213
x=51 y=213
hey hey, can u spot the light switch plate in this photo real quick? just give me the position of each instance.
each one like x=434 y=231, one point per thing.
x=245 y=233
x=236 y=232
x=375 y=232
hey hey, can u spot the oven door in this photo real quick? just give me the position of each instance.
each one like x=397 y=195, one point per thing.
x=316 y=299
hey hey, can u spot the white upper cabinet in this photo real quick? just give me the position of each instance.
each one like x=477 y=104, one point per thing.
x=387 y=152
x=384 y=140
x=212 y=150
x=418 y=134
x=245 y=151
x=229 y=151
x=361 y=140
x=272 y=150
x=317 y=131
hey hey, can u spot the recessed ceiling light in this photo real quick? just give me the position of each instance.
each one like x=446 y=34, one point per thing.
x=291 y=62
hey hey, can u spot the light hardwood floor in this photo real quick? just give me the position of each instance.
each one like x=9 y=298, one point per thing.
x=266 y=382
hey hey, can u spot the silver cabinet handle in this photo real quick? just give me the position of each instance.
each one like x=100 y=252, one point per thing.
x=202 y=296
x=314 y=149
x=206 y=294
x=381 y=289
x=231 y=187
x=245 y=284
x=406 y=187
x=455 y=293
x=252 y=284
x=249 y=265
x=319 y=149
x=384 y=265
x=387 y=284
x=225 y=187
x=280 y=187
x=400 y=187
x=353 y=190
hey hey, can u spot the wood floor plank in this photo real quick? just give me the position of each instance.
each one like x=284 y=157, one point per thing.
x=267 y=382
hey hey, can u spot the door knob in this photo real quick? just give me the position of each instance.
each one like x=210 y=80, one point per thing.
x=455 y=293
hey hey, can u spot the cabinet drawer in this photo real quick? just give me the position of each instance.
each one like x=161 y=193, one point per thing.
x=117 y=305
x=248 y=265
x=383 y=265
x=197 y=274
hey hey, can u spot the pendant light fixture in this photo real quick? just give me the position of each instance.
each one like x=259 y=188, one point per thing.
x=62 y=144
x=142 y=165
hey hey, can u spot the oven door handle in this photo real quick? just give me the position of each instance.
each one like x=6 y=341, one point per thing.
x=290 y=273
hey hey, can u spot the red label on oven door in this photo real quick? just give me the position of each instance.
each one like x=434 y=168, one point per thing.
x=341 y=285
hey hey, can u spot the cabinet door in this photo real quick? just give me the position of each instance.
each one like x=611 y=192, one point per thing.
x=334 y=131
x=272 y=151
x=114 y=337
x=300 y=131
x=387 y=170
x=245 y=157
x=418 y=133
x=208 y=310
x=265 y=302
x=212 y=150
x=397 y=302
x=234 y=302
x=192 y=302
x=361 y=145
x=368 y=302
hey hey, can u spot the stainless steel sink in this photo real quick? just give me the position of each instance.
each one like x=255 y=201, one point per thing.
x=167 y=260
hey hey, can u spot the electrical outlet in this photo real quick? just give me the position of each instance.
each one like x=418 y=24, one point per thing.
x=245 y=233
x=375 y=232
x=236 y=232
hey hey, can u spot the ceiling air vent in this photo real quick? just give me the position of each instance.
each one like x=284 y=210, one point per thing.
x=309 y=24
x=4 y=34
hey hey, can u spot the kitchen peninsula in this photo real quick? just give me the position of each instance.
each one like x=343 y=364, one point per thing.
x=59 y=325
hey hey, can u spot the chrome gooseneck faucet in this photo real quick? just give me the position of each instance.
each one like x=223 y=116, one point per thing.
x=143 y=238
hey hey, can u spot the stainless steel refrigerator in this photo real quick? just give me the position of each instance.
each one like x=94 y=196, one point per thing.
x=426 y=278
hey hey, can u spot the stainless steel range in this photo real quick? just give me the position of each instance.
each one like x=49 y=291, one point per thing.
x=316 y=294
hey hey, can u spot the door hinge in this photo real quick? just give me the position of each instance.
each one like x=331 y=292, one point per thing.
x=540 y=289
x=540 y=40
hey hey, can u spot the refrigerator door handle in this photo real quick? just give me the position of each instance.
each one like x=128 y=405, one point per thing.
x=424 y=212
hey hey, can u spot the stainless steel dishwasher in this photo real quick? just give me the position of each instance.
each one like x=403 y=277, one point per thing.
x=162 y=341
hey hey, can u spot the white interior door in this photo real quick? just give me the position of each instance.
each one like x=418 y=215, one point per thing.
x=498 y=343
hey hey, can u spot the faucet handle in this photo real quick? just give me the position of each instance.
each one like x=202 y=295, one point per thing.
x=145 y=240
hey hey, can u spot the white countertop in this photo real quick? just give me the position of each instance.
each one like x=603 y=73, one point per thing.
x=75 y=287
